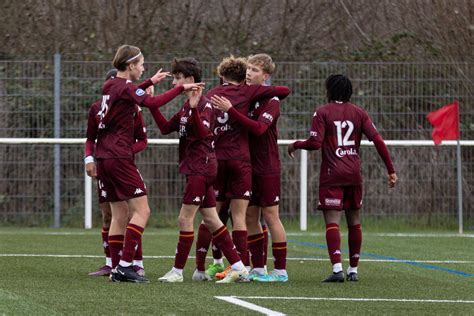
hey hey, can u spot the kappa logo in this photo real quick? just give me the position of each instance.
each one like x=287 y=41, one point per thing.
x=138 y=191
x=276 y=99
x=103 y=193
x=204 y=250
x=337 y=252
x=206 y=123
x=356 y=256
x=257 y=105
x=208 y=105
x=332 y=202
x=140 y=92
x=277 y=199
x=247 y=193
x=105 y=244
x=197 y=199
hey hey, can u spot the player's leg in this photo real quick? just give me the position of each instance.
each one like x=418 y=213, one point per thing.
x=106 y=219
x=185 y=242
x=118 y=224
x=333 y=241
x=352 y=204
x=222 y=238
x=255 y=239
x=331 y=202
x=279 y=245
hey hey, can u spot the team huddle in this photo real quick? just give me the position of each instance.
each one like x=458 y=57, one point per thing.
x=228 y=153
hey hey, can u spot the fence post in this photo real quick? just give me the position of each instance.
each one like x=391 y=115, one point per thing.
x=303 y=190
x=57 y=134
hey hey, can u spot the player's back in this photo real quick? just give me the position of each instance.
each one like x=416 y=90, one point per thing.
x=341 y=126
x=116 y=126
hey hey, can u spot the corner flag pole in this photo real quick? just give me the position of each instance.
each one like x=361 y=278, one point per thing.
x=459 y=173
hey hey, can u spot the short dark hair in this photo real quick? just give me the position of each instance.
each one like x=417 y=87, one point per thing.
x=338 y=88
x=111 y=73
x=233 y=68
x=189 y=67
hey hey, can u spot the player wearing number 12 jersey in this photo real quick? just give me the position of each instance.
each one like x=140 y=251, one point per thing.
x=337 y=129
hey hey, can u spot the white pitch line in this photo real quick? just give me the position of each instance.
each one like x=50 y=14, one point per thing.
x=297 y=234
x=253 y=307
x=414 y=235
x=355 y=299
x=193 y=257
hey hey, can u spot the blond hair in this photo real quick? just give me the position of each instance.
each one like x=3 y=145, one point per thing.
x=263 y=61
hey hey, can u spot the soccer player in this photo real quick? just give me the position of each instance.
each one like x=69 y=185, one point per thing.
x=337 y=129
x=115 y=165
x=90 y=166
x=197 y=161
x=234 y=176
x=261 y=123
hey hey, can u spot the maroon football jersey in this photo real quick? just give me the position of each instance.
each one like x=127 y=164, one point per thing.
x=93 y=121
x=231 y=138
x=115 y=138
x=119 y=97
x=196 y=154
x=338 y=127
x=264 y=148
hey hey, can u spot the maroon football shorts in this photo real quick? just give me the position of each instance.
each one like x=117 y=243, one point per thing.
x=265 y=190
x=199 y=190
x=234 y=180
x=340 y=198
x=121 y=179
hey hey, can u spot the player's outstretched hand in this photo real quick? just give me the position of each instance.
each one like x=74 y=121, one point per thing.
x=91 y=170
x=392 y=179
x=195 y=96
x=160 y=76
x=291 y=150
x=193 y=86
x=221 y=103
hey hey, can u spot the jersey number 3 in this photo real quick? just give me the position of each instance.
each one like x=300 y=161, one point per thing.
x=340 y=125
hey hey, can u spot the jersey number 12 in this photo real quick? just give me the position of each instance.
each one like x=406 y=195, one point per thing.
x=342 y=125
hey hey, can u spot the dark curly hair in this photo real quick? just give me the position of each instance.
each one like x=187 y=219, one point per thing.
x=233 y=68
x=339 y=88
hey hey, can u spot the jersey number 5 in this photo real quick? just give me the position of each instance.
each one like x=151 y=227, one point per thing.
x=342 y=125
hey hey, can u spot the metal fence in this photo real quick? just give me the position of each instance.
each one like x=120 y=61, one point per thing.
x=397 y=95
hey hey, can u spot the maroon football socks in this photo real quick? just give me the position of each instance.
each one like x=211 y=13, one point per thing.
x=202 y=245
x=133 y=235
x=115 y=248
x=265 y=243
x=255 y=245
x=279 y=250
x=355 y=242
x=222 y=238
x=239 y=237
x=333 y=239
x=185 y=243
x=105 y=241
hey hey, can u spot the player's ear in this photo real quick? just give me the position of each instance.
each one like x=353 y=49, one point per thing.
x=266 y=76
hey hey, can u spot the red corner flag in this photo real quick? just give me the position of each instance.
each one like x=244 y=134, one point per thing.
x=445 y=123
